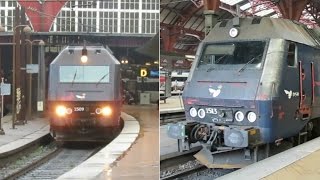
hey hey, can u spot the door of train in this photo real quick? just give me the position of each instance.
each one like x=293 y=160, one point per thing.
x=291 y=88
x=306 y=95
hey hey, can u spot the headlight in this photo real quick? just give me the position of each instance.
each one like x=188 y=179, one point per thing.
x=239 y=116
x=252 y=117
x=61 y=110
x=106 y=111
x=233 y=32
x=68 y=110
x=201 y=113
x=193 y=112
x=98 y=111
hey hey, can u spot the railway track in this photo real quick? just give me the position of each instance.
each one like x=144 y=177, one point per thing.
x=47 y=160
x=172 y=117
x=185 y=166
x=185 y=172
x=54 y=164
x=177 y=165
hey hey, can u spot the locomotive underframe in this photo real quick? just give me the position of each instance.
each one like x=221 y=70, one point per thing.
x=85 y=129
x=218 y=152
x=215 y=137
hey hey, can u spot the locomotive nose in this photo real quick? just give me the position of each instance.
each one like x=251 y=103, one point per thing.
x=226 y=85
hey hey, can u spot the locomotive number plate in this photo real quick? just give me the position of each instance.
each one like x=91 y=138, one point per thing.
x=211 y=111
x=78 y=109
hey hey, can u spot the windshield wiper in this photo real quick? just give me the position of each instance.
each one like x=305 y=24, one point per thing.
x=217 y=61
x=74 y=77
x=249 y=62
x=102 y=79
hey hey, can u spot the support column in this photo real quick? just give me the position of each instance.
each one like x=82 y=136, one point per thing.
x=21 y=70
x=41 y=81
x=29 y=80
x=211 y=17
x=16 y=81
x=292 y=9
x=169 y=37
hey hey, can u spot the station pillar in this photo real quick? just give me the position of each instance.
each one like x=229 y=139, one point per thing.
x=210 y=13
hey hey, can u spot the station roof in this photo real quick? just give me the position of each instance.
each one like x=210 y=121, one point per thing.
x=187 y=19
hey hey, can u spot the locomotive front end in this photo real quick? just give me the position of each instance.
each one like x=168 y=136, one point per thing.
x=84 y=96
x=252 y=85
x=83 y=121
x=227 y=99
x=220 y=97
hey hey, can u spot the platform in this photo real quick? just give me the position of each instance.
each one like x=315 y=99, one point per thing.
x=301 y=162
x=22 y=135
x=142 y=160
x=173 y=103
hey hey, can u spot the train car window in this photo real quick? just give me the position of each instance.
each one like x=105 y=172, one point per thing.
x=84 y=74
x=291 y=54
x=233 y=53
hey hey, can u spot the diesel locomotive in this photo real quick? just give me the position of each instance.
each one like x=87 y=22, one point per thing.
x=255 y=82
x=84 y=96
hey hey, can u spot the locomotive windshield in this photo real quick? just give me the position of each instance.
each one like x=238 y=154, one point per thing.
x=233 y=53
x=84 y=74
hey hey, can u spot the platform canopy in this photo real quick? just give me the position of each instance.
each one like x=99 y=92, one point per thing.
x=182 y=21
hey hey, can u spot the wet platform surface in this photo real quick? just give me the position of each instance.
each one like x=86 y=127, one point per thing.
x=142 y=160
x=300 y=162
x=107 y=157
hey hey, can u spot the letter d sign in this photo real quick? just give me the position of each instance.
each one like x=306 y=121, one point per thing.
x=143 y=72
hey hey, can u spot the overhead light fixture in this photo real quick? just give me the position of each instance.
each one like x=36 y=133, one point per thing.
x=190 y=56
x=193 y=35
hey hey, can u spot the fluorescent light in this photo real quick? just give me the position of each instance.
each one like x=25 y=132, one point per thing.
x=190 y=56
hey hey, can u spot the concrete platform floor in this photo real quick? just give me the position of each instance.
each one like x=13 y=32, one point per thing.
x=142 y=160
x=300 y=162
x=21 y=135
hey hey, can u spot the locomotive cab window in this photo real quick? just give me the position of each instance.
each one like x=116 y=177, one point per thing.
x=84 y=74
x=233 y=53
x=291 y=57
